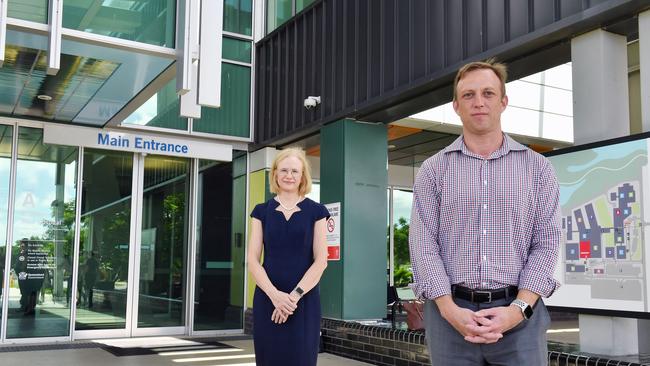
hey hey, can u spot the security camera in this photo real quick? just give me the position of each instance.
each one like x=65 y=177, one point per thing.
x=311 y=102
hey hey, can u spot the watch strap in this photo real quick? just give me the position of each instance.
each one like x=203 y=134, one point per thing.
x=526 y=309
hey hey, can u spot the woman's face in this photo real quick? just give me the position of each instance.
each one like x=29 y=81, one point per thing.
x=289 y=174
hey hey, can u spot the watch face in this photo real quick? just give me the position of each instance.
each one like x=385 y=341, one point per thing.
x=528 y=312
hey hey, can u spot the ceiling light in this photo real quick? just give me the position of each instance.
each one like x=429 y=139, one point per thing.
x=44 y=97
x=391 y=147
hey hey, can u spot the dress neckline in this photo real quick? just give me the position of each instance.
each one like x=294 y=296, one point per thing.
x=298 y=205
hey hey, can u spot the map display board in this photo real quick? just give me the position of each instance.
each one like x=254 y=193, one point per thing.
x=604 y=193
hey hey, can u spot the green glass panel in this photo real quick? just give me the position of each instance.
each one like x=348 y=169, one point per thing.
x=233 y=118
x=236 y=50
x=162 y=110
x=43 y=237
x=301 y=4
x=277 y=12
x=163 y=242
x=104 y=243
x=237 y=16
x=146 y=21
x=6 y=137
x=220 y=245
x=32 y=10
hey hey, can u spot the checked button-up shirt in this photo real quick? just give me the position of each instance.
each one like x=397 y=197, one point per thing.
x=485 y=223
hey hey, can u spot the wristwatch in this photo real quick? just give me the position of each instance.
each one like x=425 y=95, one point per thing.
x=299 y=291
x=526 y=309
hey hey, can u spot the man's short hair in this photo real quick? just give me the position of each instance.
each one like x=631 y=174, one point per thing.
x=498 y=68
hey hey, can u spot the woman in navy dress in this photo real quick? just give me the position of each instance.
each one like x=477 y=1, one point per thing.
x=291 y=229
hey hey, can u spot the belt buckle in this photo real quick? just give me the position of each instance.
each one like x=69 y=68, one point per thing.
x=489 y=293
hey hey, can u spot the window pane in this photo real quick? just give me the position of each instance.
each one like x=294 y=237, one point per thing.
x=32 y=10
x=146 y=21
x=43 y=237
x=277 y=12
x=104 y=248
x=219 y=298
x=233 y=118
x=237 y=16
x=301 y=4
x=402 y=202
x=161 y=110
x=236 y=50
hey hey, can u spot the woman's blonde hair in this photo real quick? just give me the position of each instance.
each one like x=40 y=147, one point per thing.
x=305 y=178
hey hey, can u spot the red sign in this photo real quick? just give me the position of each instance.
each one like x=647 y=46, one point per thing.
x=585 y=249
x=333 y=253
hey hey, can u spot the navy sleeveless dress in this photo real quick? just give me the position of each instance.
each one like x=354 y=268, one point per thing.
x=288 y=254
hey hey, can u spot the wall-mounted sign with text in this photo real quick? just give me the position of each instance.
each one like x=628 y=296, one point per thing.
x=334 y=231
x=135 y=142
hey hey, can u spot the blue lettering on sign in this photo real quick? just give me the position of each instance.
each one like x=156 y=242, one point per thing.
x=107 y=140
x=141 y=143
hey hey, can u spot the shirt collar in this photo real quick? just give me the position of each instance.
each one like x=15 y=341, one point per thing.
x=508 y=145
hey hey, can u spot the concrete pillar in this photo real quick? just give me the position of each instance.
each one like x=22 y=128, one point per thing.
x=600 y=93
x=354 y=172
x=601 y=111
x=644 y=67
x=259 y=166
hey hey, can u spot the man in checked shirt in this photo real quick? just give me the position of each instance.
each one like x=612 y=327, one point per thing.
x=485 y=235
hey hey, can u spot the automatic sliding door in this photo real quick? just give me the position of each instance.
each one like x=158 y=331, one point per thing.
x=163 y=244
x=43 y=237
x=102 y=284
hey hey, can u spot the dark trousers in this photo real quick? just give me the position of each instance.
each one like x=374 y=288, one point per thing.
x=524 y=344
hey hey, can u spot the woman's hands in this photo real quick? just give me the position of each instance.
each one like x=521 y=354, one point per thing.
x=284 y=305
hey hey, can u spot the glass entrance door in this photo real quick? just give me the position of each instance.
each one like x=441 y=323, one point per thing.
x=163 y=246
x=103 y=285
x=132 y=255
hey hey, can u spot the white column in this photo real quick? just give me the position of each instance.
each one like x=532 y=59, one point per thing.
x=601 y=111
x=600 y=95
x=644 y=65
x=261 y=159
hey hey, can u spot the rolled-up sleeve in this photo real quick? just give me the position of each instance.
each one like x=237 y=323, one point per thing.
x=430 y=278
x=537 y=274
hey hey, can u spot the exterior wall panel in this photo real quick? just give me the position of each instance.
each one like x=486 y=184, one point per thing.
x=382 y=60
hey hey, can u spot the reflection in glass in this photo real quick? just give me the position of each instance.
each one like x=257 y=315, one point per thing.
x=163 y=242
x=238 y=16
x=43 y=236
x=32 y=10
x=104 y=244
x=161 y=110
x=233 y=118
x=146 y=21
x=277 y=12
x=6 y=136
x=234 y=49
x=221 y=220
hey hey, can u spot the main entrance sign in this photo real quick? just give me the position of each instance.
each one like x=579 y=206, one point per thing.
x=136 y=142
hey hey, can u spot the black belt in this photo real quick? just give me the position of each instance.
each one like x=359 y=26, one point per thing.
x=483 y=296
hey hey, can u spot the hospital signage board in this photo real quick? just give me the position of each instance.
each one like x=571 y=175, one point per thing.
x=333 y=236
x=136 y=142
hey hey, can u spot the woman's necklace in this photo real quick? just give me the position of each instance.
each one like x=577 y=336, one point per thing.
x=288 y=208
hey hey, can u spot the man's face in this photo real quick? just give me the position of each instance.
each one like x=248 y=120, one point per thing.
x=479 y=102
